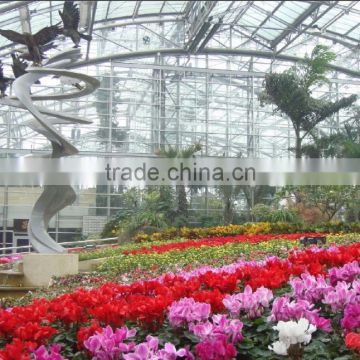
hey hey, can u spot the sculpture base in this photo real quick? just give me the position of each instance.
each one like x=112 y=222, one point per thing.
x=39 y=268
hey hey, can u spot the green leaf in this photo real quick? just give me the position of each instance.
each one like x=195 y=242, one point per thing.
x=264 y=327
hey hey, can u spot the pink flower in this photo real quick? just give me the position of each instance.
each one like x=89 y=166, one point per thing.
x=309 y=288
x=220 y=326
x=351 y=319
x=187 y=310
x=215 y=349
x=340 y=296
x=41 y=353
x=346 y=273
x=170 y=353
x=251 y=303
x=109 y=344
x=149 y=350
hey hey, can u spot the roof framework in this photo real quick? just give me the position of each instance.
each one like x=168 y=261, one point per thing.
x=183 y=71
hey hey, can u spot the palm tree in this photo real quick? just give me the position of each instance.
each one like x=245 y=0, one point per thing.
x=291 y=92
x=181 y=196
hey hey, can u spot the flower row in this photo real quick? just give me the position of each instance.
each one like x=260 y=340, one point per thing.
x=218 y=241
x=249 y=228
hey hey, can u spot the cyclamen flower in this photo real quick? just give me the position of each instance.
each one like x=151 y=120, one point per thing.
x=352 y=341
x=42 y=353
x=149 y=351
x=310 y=288
x=356 y=287
x=187 y=310
x=219 y=326
x=215 y=349
x=347 y=273
x=170 y=353
x=252 y=303
x=291 y=333
x=284 y=310
x=145 y=350
x=340 y=296
x=108 y=345
x=351 y=319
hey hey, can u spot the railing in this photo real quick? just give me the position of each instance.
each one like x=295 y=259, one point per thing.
x=73 y=245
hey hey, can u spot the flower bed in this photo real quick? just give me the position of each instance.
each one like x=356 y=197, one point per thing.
x=209 y=313
x=141 y=268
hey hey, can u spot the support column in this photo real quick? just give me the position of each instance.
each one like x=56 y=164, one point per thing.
x=250 y=129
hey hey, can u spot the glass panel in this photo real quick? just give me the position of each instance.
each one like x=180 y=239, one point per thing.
x=121 y=9
x=174 y=6
x=150 y=7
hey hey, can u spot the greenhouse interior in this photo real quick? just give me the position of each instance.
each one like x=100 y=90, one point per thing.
x=240 y=238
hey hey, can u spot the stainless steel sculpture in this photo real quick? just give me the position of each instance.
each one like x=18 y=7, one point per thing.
x=54 y=198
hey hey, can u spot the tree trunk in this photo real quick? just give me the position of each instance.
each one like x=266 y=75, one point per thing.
x=228 y=212
x=182 y=205
x=298 y=146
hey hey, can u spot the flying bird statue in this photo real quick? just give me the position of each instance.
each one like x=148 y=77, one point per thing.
x=27 y=56
x=19 y=66
x=34 y=42
x=70 y=17
x=4 y=81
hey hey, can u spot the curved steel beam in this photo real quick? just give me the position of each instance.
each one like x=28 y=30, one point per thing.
x=206 y=51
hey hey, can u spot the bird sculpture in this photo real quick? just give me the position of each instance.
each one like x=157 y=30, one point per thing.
x=43 y=48
x=34 y=42
x=4 y=81
x=70 y=17
x=19 y=66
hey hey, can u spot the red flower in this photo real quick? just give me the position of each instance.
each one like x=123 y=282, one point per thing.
x=214 y=298
x=352 y=341
x=34 y=332
x=85 y=332
x=17 y=350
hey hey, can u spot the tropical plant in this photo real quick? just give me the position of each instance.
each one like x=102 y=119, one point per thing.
x=262 y=212
x=328 y=200
x=344 y=144
x=291 y=92
x=181 y=196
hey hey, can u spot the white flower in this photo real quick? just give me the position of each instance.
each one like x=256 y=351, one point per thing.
x=290 y=333
x=293 y=332
x=280 y=348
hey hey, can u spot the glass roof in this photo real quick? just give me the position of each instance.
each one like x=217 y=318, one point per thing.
x=266 y=25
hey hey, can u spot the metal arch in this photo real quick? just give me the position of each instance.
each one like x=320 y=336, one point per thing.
x=209 y=51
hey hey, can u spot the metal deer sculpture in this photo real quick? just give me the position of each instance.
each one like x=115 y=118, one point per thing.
x=54 y=198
